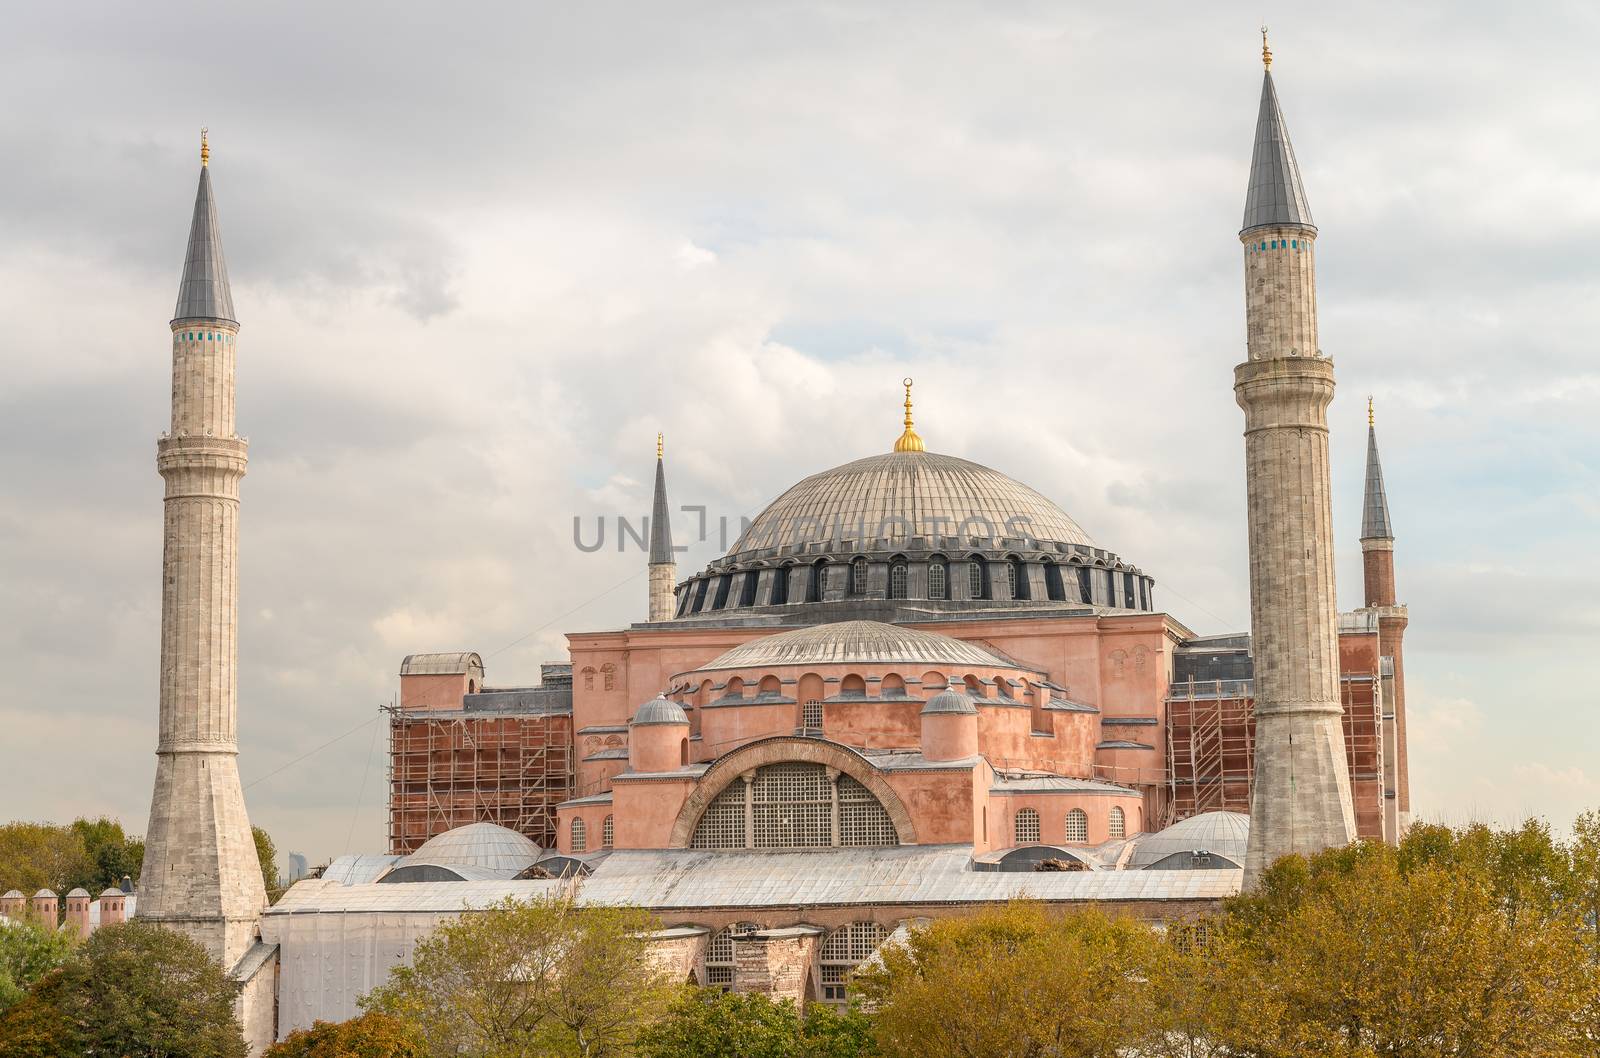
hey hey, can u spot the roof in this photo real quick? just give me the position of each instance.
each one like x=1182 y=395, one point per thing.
x=357 y=870
x=660 y=520
x=1060 y=784
x=950 y=701
x=78 y=891
x=856 y=642
x=450 y=664
x=203 y=292
x=1276 y=195
x=1375 y=504
x=659 y=710
x=477 y=844
x=912 y=493
x=1223 y=833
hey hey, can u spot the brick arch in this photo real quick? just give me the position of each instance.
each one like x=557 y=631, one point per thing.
x=779 y=750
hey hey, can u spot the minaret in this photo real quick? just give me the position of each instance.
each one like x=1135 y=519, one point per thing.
x=1377 y=558
x=201 y=874
x=663 y=565
x=1300 y=799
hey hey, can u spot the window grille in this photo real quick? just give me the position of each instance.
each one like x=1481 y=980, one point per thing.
x=862 y=820
x=580 y=837
x=608 y=832
x=936 y=573
x=794 y=805
x=811 y=715
x=1011 y=579
x=1027 y=827
x=897 y=581
x=1119 y=823
x=845 y=949
x=858 y=577
x=722 y=825
x=975 y=579
x=719 y=955
x=1077 y=826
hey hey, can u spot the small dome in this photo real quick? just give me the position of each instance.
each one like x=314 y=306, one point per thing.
x=477 y=844
x=112 y=892
x=659 y=710
x=44 y=893
x=1221 y=836
x=12 y=894
x=950 y=701
x=79 y=891
x=857 y=643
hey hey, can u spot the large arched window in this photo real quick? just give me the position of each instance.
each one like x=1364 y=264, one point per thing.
x=897 y=579
x=608 y=832
x=845 y=949
x=937 y=572
x=1077 y=826
x=1119 y=823
x=793 y=805
x=580 y=836
x=858 y=577
x=1026 y=829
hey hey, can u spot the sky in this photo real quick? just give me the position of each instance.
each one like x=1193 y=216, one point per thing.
x=482 y=253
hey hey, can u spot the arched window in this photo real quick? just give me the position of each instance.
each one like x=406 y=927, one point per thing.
x=608 y=832
x=897 y=580
x=975 y=578
x=720 y=600
x=780 y=585
x=794 y=805
x=1017 y=579
x=1053 y=586
x=1119 y=823
x=814 y=581
x=580 y=837
x=747 y=592
x=936 y=580
x=845 y=949
x=1026 y=829
x=858 y=577
x=1077 y=826
x=719 y=954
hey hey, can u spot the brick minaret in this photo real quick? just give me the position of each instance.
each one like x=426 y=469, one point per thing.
x=201 y=874
x=1377 y=558
x=1300 y=799
x=663 y=564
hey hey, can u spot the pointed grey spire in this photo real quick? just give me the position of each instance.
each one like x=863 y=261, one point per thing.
x=1276 y=195
x=660 y=521
x=204 y=293
x=1375 y=508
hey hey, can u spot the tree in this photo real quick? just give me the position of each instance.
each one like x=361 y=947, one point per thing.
x=132 y=989
x=28 y=952
x=36 y=856
x=267 y=854
x=372 y=1035
x=710 y=1023
x=112 y=855
x=538 y=977
x=1017 y=981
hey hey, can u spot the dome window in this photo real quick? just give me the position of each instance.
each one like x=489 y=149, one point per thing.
x=897 y=580
x=975 y=579
x=937 y=573
x=858 y=577
x=780 y=585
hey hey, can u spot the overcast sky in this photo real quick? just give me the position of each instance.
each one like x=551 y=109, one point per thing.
x=481 y=254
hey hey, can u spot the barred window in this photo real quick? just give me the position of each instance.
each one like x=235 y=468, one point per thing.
x=608 y=832
x=811 y=715
x=1119 y=823
x=936 y=574
x=580 y=839
x=1011 y=580
x=1027 y=827
x=897 y=581
x=858 y=577
x=845 y=949
x=1077 y=826
x=975 y=579
x=794 y=805
x=719 y=955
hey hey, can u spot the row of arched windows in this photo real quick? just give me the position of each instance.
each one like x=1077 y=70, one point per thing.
x=578 y=834
x=1026 y=829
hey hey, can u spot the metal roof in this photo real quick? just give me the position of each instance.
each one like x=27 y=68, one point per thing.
x=203 y=292
x=1060 y=784
x=1375 y=505
x=449 y=664
x=357 y=870
x=660 y=520
x=856 y=643
x=477 y=844
x=950 y=700
x=1276 y=195
x=1222 y=833
x=659 y=710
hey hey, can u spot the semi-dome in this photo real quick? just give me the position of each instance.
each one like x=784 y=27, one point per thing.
x=659 y=710
x=856 y=643
x=887 y=500
x=477 y=845
x=1214 y=840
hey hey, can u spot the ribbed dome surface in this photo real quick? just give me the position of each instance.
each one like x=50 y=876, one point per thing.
x=936 y=495
x=659 y=710
x=950 y=701
x=478 y=844
x=855 y=642
x=1220 y=833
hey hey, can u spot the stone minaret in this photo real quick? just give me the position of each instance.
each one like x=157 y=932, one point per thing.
x=201 y=874
x=663 y=565
x=1377 y=558
x=1300 y=799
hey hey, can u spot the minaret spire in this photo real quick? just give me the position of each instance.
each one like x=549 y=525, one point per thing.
x=1377 y=568
x=201 y=875
x=663 y=563
x=1375 y=504
x=1300 y=799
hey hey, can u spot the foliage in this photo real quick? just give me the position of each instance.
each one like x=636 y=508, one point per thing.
x=267 y=854
x=131 y=989
x=372 y=1035
x=1018 y=980
x=28 y=952
x=710 y=1023
x=539 y=977
x=111 y=853
x=93 y=854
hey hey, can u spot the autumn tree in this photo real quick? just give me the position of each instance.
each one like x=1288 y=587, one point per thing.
x=538 y=977
x=36 y=856
x=372 y=1035
x=711 y=1023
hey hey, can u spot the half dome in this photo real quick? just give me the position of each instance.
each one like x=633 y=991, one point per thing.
x=856 y=643
x=478 y=845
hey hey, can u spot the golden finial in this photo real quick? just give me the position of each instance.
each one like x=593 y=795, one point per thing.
x=1266 y=52
x=659 y=444
x=909 y=441
x=205 y=151
x=1369 y=411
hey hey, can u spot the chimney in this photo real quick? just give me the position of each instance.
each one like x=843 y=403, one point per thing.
x=78 y=912
x=113 y=907
x=45 y=906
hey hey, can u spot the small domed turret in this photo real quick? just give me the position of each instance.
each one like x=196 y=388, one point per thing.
x=658 y=736
x=949 y=726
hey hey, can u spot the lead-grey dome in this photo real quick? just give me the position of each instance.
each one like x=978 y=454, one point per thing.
x=1210 y=839
x=659 y=710
x=856 y=643
x=900 y=495
x=950 y=701
x=478 y=845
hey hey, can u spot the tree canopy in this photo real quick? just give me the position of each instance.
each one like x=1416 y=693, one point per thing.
x=372 y=1035
x=710 y=1023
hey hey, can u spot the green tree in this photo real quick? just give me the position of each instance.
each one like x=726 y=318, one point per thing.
x=537 y=977
x=372 y=1035
x=1015 y=982
x=28 y=952
x=36 y=856
x=710 y=1023
x=111 y=854
x=267 y=854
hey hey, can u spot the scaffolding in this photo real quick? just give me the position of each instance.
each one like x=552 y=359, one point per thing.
x=450 y=769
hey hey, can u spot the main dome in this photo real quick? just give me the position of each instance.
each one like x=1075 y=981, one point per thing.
x=900 y=496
